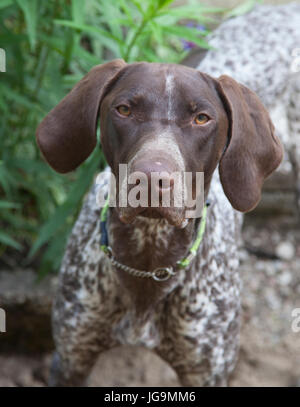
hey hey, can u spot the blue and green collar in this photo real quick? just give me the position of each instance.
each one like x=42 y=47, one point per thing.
x=161 y=273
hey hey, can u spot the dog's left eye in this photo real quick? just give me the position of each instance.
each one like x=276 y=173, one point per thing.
x=201 y=119
x=124 y=110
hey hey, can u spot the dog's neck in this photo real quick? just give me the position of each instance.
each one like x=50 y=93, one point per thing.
x=147 y=244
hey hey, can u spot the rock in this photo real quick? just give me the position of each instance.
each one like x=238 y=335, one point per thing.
x=20 y=370
x=285 y=278
x=285 y=250
x=27 y=305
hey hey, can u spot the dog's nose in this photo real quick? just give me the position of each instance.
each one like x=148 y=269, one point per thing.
x=158 y=174
x=165 y=182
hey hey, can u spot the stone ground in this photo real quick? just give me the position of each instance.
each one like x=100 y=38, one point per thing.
x=270 y=350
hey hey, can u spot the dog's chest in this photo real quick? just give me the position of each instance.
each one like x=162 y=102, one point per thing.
x=130 y=330
x=152 y=233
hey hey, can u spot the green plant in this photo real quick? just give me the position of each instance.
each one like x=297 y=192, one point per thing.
x=243 y=8
x=49 y=47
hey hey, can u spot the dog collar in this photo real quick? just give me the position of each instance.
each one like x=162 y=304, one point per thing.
x=160 y=273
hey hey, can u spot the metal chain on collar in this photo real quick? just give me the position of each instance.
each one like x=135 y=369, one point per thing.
x=160 y=273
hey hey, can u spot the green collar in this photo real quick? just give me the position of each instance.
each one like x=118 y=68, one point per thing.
x=159 y=274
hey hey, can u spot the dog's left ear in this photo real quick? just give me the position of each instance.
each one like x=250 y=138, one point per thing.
x=253 y=152
x=67 y=135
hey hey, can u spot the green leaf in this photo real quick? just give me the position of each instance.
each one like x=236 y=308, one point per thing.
x=53 y=42
x=243 y=8
x=19 y=223
x=88 y=29
x=151 y=56
x=12 y=38
x=69 y=206
x=190 y=34
x=30 y=166
x=124 y=7
x=52 y=256
x=8 y=241
x=5 y=3
x=164 y=3
x=87 y=57
x=78 y=11
x=7 y=179
x=29 y=8
x=17 y=97
x=8 y=205
x=190 y=12
x=138 y=6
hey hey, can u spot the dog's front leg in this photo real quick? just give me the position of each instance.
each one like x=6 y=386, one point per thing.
x=81 y=331
x=83 y=311
x=200 y=336
x=202 y=360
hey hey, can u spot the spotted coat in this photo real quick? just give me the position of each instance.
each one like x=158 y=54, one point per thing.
x=194 y=327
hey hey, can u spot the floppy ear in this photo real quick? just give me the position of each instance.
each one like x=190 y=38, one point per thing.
x=67 y=135
x=253 y=152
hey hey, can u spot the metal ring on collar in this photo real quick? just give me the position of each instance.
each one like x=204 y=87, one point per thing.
x=166 y=272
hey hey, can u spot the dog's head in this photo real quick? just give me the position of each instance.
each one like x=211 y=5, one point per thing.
x=165 y=118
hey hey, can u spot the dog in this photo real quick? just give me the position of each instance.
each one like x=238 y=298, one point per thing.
x=157 y=117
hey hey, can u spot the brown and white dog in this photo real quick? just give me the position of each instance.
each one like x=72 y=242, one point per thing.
x=154 y=117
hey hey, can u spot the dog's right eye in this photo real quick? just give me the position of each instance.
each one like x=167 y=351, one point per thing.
x=124 y=110
x=201 y=119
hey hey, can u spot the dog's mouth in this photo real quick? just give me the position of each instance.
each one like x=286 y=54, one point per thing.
x=152 y=213
x=174 y=216
x=153 y=194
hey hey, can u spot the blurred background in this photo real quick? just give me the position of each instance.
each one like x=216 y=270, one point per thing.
x=49 y=46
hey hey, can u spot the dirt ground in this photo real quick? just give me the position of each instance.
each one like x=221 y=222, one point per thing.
x=270 y=350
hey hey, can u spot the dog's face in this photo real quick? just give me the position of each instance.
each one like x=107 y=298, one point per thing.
x=162 y=118
x=169 y=119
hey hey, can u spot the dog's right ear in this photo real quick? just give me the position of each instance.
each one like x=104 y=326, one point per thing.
x=67 y=135
x=254 y=151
